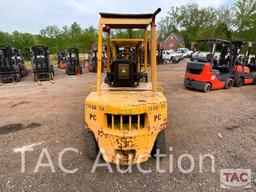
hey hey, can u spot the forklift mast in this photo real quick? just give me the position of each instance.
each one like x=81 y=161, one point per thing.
x=6 y=61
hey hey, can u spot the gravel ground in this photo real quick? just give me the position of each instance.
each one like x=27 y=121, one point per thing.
x=220 y=123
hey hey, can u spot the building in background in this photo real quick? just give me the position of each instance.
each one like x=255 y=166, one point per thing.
x=173 y=41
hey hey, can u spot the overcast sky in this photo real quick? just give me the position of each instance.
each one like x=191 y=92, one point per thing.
x=33 y=15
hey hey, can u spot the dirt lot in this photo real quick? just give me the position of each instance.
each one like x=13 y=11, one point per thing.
x=221 y=123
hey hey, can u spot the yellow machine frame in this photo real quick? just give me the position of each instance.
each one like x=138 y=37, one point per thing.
x=126 y=121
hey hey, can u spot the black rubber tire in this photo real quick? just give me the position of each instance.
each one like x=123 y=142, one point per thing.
x=35 y=77
x=51 y=76
x=207 y=88
x=185 y=84
x=254 y=80
x=17 y=77
x=229 y=84
x=160 y=144
x=53 y=72
x=92 y=148
x=239 y=82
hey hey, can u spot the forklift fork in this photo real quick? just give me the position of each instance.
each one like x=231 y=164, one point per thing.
x=39 y=82
x=51 y=81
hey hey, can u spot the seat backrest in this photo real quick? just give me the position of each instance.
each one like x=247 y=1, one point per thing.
x=123 y=73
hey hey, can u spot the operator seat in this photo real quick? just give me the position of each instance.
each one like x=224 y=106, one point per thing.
x=251 y=64
x=123 y=73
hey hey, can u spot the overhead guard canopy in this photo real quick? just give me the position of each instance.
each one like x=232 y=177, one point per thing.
x=126 y=21
x=125 y=42
x=213 y=41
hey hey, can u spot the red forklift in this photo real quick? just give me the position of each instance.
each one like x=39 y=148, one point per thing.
x=245 y=68
x=61 y=57
x=211 y=66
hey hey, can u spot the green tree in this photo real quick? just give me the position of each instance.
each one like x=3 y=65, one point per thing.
x=244 y=15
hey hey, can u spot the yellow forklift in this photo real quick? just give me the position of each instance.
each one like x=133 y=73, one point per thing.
x=125 y=116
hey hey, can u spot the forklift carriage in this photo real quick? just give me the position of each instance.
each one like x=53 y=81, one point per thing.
x=73 y=66
x=125 y=117
x=11 y=69
x=42 y=69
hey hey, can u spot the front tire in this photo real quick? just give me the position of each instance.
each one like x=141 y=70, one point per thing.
x=160 y=144
x=229 y=84
x=92 y=148
x=17 y=77
x=35 y=77
x=239 y=82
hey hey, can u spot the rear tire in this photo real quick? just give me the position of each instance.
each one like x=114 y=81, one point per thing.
x=239 y=82
x=207 y=88
x=159 y=144
x=229 y=84
x=35 y=78
x=254 y=80
x=92 y=148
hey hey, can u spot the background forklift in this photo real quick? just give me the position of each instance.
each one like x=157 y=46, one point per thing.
x=73 y=66
x=211 y=68
x=92 y=59
x=125 y=117
x=42 y=68
x=16 y=54
x=12 y=66
x=61 y=59
x=245 y=68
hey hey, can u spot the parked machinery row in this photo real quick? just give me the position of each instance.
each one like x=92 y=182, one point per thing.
x=12 y=66
x=218 y=64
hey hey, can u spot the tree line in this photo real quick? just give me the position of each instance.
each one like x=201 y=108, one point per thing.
x=54 y=38
x=192 y=22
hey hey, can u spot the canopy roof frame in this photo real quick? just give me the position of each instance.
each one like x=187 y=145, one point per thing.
x=110 y=21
